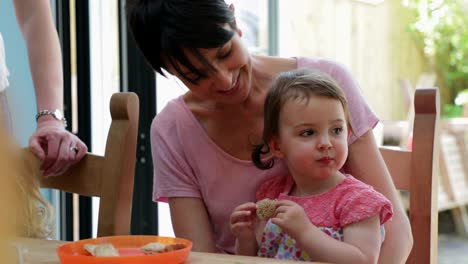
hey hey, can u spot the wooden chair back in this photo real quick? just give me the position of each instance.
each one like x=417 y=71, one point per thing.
x=416 y=171
x=109 y=177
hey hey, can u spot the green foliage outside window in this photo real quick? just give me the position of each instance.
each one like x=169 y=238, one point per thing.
x=441 y=29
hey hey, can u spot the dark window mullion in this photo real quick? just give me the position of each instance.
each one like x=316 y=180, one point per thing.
x=84 y=102
x=63 y=29
x=137 y=76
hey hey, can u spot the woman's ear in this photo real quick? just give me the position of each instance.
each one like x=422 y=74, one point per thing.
x=275 y=148
x=238 y=30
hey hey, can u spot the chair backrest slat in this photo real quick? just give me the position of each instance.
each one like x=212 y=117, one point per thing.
x=415 y=171
x=109 y=177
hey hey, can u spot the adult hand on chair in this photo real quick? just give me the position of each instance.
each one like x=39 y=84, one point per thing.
x=57 y=148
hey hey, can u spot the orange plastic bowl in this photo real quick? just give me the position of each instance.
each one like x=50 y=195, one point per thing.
x=129 y=250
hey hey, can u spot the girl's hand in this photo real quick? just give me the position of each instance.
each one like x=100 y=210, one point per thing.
x=58 y=148
x=242 y=222
x=291 y=218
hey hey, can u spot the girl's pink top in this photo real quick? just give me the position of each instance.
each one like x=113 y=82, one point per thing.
x=348 y=202
x=187 y=163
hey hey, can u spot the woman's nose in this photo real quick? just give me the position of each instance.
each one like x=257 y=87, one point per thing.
x=224 y=78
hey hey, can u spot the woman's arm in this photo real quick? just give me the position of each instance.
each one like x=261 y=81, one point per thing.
x=366 y=164
x=51 y=142
x=190 y=220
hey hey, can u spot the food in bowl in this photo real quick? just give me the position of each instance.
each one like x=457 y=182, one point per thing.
x=101 y=250
x=156 y=247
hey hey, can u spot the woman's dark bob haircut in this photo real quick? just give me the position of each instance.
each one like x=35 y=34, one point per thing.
x=166 y=30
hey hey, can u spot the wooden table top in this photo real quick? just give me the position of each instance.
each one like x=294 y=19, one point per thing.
x=38 y=251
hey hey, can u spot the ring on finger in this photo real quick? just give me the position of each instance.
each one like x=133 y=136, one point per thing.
x=74 y=149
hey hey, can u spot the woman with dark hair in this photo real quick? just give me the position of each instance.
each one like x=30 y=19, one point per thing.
x=202 y=141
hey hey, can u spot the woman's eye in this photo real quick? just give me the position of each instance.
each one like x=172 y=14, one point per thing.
x=226 y=54
x=337 y=130
x=195 y=78
x=306 y=133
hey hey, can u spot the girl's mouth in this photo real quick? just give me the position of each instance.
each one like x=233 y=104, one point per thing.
x=325 y=160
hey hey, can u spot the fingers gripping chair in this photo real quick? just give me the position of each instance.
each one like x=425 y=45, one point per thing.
x=109 y=177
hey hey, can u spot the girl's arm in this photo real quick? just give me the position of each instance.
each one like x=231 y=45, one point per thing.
x=361 y=243
x=242 y=224
x=51 y=142
x=190 y=220
x=366 y=164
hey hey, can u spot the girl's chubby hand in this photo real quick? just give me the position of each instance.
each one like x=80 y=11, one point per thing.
x=291 y=217
x=243 y=220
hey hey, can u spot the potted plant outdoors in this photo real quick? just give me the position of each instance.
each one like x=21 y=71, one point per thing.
x=441 y=29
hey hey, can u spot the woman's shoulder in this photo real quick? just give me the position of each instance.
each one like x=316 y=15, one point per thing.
x=280 y=64
x=268 y=67
x=171 y=116
x=326 y=65
x=271 y=66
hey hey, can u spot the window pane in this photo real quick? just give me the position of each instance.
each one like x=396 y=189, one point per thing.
x=252 y=20
x=105 y=75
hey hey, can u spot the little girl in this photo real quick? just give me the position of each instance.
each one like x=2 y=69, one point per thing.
x=321 y=214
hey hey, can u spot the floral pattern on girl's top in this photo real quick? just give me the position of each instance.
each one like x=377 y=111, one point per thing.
x=348 y=202
x=278 y=244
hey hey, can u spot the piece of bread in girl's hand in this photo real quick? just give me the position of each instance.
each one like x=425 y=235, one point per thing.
x=266 y=208
x=101 y=250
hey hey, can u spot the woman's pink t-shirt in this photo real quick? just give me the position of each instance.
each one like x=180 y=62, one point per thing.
x=187 y=163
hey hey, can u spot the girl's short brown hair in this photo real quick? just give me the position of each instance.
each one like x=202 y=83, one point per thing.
x=299 y=84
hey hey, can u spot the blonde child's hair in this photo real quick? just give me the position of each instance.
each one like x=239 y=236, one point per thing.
x=37 y=212
x=24 y=212
x=27 y=213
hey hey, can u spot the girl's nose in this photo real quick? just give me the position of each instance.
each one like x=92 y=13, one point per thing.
x=324 y=143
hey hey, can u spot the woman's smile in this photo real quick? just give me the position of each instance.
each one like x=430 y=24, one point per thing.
x=233 y=88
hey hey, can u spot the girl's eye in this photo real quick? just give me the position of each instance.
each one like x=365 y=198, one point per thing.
x=338 y=130
x=306 y=133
